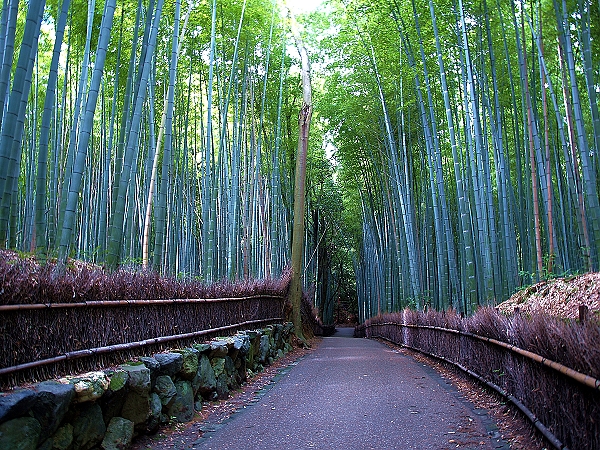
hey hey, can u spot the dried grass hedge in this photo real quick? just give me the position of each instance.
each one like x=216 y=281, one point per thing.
x=569 y=409
x=24 y=281
x=30 y=335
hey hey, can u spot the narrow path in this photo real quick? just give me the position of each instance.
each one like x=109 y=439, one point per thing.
x=356 y=394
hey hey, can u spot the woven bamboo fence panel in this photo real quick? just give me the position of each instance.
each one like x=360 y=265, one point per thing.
x=565 y=402
x=31 y=333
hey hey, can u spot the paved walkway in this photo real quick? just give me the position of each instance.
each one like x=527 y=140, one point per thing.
x=357 y=394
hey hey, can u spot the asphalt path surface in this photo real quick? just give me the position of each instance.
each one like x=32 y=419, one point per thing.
x=357 y=394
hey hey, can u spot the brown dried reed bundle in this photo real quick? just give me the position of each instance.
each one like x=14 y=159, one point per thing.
x=23 y=281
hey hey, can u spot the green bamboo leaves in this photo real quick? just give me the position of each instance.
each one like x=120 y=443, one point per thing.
x=466 y=138
x=488 y=156
x=160 y=139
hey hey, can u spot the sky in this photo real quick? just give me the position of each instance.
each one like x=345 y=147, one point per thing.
x=303 y=6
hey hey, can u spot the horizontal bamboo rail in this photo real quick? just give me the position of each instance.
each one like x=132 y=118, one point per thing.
x=112 y=303
x=586 y=380
x=130 y=345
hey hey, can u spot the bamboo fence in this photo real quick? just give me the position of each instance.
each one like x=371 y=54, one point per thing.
x=41 y=341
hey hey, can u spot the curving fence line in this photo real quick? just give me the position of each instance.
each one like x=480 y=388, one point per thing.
x=52 y=339
x=562 y=403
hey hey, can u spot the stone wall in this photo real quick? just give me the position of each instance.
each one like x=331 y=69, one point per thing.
x=106 y=409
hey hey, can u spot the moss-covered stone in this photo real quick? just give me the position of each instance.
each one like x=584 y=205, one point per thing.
x=118 y=434
x=155 y=412
x=89 y=386
x=264 y=349
x=118 y=380
x=218 y=365
x=20 y=434
x=202 y=348
x=136 y=407
x=206 y=381
x=63 y=438
x=88 y=427
x=182 y=407
x=165 y=389
x=223 y=386
x=189 y=368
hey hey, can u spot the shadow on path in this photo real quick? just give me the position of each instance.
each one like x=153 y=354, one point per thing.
x=356 y=394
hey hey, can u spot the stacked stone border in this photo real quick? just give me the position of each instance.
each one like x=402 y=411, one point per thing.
x=108 y=408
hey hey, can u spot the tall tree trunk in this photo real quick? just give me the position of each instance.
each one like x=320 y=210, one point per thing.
x=304 y=117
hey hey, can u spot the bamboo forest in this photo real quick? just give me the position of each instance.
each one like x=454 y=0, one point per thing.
x=452 y=158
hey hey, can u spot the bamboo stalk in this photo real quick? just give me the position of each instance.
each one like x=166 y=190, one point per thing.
x=129 y=345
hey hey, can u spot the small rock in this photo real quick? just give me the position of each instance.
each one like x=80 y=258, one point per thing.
x=170 y=363
x=165 y=389
x=88 y=387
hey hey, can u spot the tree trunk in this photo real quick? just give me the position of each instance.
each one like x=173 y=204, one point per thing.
x=304 y=117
